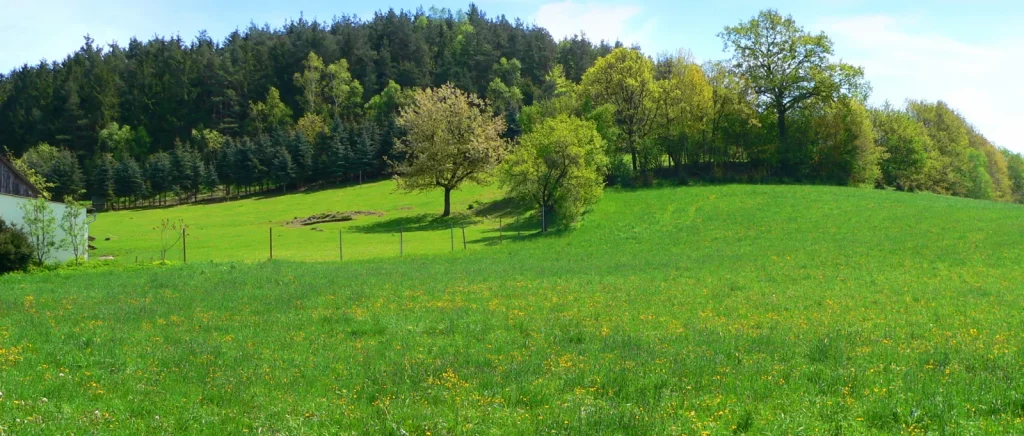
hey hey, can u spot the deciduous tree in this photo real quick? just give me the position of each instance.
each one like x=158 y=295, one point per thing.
x=41 y=227
x=787 y=66
x=905 y=145
x=271 y=114
x=117 y=140
x=685 y=108
x=452 y=137
x=625 y=79
x=72 y=223
x=559 y=167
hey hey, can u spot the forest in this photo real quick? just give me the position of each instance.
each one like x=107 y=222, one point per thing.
x=332 y=102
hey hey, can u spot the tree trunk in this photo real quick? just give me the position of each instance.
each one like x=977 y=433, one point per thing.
x=447 y=202
x=782 y=127
x=547 y=215
x=785 y=154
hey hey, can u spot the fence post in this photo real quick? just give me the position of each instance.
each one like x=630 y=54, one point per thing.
x=401 y=240
x=453 y=236
x=463 y=237
x=341 y=247
x=271 y=243
x=184 y=250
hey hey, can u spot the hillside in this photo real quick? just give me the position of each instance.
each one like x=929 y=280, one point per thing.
x=323 y=101
x=239 y=230
x=768 y=309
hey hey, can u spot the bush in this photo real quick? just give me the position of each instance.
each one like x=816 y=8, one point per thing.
x=15 y=250
x=620 y=173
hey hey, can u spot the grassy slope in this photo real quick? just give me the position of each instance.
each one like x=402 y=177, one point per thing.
x=771 y=309
x=238 y=230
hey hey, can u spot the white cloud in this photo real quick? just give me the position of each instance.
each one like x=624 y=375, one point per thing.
x=903 y=61
x=622 y=22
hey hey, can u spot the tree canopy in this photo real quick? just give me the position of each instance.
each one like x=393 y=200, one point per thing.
x=625 y=80
x=787 y=66
x=451 y=137
x=559 y=167
x=321 y=102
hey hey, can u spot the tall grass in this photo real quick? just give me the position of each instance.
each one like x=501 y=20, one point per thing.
x=784 y=310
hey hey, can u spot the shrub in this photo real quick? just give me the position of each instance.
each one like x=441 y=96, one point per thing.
x=15 y=250
x=620 y=173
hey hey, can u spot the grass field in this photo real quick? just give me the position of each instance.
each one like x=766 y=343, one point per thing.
x=782 y=310
x=239 y=230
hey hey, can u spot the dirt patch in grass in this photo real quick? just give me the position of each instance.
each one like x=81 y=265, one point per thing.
x=331 y=217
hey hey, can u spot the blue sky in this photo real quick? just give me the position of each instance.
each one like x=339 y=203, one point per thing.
x=970 y=54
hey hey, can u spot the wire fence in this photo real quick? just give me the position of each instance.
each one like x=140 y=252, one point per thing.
x=360 y=242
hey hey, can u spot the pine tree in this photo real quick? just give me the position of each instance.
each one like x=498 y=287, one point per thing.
x=160 y=174
x=210 y=178
x=224 y=166
x=65 y=175
x=245 y=164
x=301 y=152
x=334 y=162
x=103 y=177
x=283 y=170
x=265 y=150
x=182 y=171
x=364 y=151
x=189 y=171
x=129 y=184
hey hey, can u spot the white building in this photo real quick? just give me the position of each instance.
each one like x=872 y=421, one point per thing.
x=15 y=190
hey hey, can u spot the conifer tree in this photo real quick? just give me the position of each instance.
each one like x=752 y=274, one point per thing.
x=301 y=151
x=334 y=162
x=160 y=174
x=283 y=170
x=66 y=175
x=364 y=151
x=103 y=177
x=224 y=166
x=129 y=183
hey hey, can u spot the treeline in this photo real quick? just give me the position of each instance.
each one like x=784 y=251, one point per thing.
x=319 y=102
x=336 y=82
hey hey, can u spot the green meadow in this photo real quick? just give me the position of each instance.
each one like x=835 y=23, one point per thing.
x=700 y=310
x=240 y=230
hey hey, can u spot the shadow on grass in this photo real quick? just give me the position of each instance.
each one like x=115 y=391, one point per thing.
x=424 y=222
x=314 y=188
x=511 y=234
x=506 y=209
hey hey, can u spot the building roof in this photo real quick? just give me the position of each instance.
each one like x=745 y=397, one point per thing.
x=21 y=177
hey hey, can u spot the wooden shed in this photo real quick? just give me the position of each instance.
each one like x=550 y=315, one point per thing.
x=12 y=182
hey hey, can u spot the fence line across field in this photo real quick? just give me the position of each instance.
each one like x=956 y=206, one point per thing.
x=401 y=238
